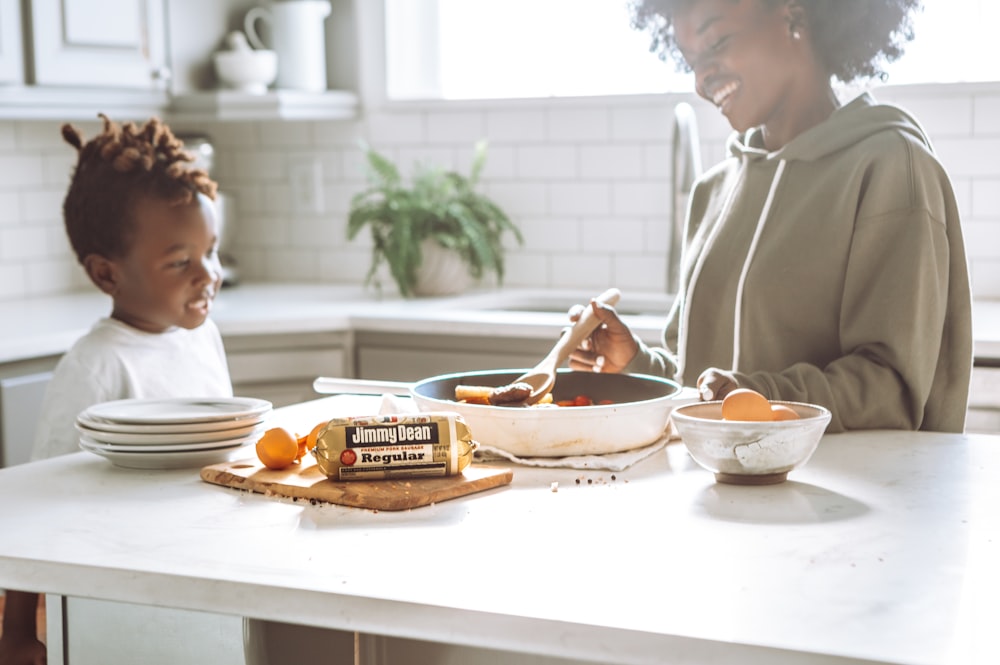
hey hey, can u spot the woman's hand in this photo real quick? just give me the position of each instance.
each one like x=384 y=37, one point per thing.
x=610 y=348
x=715 y=383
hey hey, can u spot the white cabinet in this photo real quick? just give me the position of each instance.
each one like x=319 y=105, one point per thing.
x=71 y=59
x=114 y=43
x=11 y=46
x=132 y=59
x=984 y=401
x=281 y=368
x=22 y=389
x=98 y=632
x=410 y=357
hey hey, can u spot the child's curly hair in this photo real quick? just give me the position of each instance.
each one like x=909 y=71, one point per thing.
x=117 y=168
x=852 y=38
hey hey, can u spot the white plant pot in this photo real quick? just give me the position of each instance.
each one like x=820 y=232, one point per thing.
x=442 y=271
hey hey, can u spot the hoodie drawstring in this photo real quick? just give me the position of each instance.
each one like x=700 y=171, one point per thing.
x=738 y=315
x=684 y=295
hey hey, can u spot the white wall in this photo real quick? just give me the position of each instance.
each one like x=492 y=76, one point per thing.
x=586 y=180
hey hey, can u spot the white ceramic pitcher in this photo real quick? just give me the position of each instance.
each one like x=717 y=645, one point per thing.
x=299 y=37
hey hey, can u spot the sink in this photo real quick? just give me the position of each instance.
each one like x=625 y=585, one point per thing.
x=559 y=302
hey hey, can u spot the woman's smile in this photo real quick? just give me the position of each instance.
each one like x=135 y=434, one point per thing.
x=723 y=94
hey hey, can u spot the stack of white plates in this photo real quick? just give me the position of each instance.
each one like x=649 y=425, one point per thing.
x=171 y=433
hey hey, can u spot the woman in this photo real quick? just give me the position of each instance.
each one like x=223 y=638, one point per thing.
x=824 y=260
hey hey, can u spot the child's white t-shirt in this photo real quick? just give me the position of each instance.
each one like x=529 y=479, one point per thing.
x=116 y=361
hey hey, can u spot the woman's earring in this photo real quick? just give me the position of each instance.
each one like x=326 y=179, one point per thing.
x=793 y=29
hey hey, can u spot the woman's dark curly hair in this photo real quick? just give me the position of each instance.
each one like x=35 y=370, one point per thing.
x=117 y=168
x=852 y=38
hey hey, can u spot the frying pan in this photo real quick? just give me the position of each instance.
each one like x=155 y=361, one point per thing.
x=637 y=417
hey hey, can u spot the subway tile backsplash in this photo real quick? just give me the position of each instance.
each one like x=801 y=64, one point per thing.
x=587 y=181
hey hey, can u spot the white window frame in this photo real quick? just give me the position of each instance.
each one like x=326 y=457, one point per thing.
x=371 y=23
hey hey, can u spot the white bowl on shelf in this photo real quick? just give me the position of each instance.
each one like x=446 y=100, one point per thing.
x=246 y=70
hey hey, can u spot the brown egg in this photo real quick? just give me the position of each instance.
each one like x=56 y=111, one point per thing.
x=782 y=412
x=745 y=404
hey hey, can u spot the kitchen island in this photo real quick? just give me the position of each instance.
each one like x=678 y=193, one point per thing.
x=882 y=549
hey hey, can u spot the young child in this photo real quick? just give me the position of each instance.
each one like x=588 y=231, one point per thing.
x=824 y=261
x=142 y=224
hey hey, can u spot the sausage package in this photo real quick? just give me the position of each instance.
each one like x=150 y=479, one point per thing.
x=394 y=446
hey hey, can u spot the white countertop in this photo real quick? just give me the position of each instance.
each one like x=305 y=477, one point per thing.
x=882 y=549
x=48 y=326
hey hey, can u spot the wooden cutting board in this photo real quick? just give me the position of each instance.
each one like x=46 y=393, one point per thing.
x=306 y=481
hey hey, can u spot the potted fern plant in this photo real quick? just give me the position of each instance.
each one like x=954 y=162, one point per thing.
x=417 y=228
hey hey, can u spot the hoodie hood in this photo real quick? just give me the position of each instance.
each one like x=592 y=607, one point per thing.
x=848 y=125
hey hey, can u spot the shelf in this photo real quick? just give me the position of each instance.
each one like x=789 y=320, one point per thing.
x=74 y=104
x=222 y=105
x=68 y=104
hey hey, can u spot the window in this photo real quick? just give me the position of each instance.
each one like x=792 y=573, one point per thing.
x=480 y=49
x=476 y=49
x=951 y=44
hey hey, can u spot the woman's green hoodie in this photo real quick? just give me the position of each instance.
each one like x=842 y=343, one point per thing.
x=831 y=271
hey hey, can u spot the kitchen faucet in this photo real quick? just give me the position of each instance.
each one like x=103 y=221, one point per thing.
x=685 y=169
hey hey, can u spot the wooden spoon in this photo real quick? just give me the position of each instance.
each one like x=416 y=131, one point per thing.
x=542 y=377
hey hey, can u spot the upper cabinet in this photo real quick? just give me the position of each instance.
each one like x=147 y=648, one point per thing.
x=119 y=46
x=70 y=59
x=11 y=48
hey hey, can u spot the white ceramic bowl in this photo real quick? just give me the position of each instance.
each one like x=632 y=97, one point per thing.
x=246 y=70
x=750 y=453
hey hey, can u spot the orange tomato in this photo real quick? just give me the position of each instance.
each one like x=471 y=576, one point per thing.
x=308 y=442
x=782 y=412
x=277 y=448
x=747 y=405
x=581 y=400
